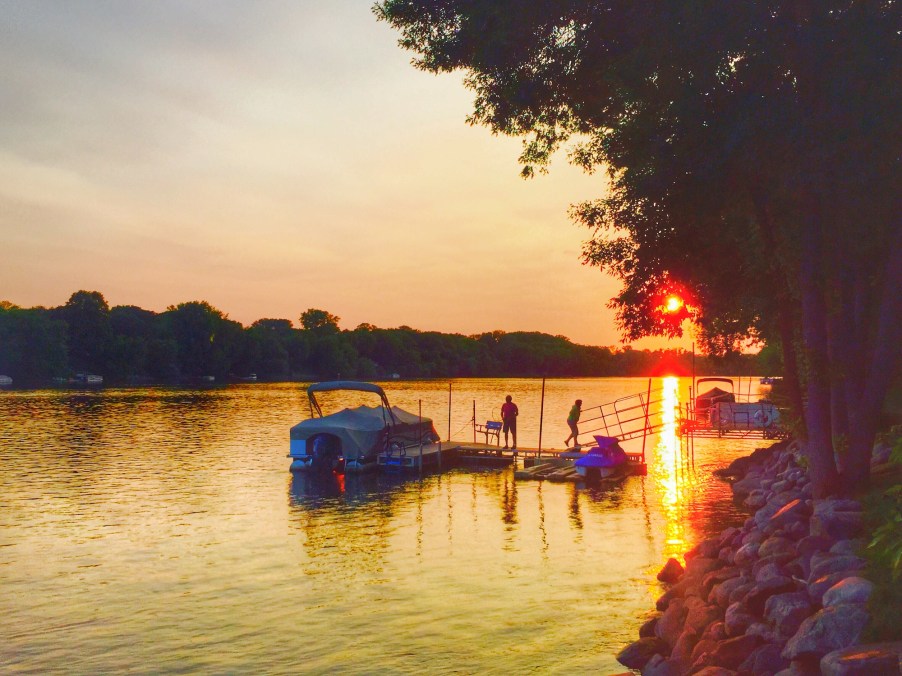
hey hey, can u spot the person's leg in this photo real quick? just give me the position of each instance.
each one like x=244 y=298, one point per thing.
x=514 y=433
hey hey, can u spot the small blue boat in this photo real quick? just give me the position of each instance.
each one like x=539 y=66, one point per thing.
x=603 y=460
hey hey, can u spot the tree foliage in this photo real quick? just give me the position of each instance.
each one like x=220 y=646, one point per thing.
x=194 y=339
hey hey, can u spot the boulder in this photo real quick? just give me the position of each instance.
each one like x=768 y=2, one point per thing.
x=819 y=587
x=777 y=545
x=702 y=565
x=794 y=510
x=852 y=546
x=714 y=671
x=659 y=665
x=875 y=659
x=758 y=595
x=720 y=593
x=716 y=631
x=637 y=654
x=670 y=625
x=700 y=616
x=681 y=655
x=715 y=577
x=827 y=630
x=703 y=647
x=734 y=651
x=648 y=627
x=746 y=555
x=833 y=563
x=756 y=499
x=838 y=519
x=737 y=619
x=764 y=660
x=786 y=612
x=848 y=590
x=671 y=572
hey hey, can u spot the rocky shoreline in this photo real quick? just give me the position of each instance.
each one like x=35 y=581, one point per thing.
x=783 y=594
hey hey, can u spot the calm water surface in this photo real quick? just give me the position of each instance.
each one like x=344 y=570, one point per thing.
x=159 y=530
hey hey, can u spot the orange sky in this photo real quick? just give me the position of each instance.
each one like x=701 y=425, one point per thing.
x=271 y=157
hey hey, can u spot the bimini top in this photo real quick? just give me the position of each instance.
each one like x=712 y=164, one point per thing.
x=344 y=385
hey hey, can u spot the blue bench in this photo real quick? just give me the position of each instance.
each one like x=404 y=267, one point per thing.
x=492 y=428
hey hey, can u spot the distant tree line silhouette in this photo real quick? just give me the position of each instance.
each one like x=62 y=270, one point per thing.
x=189 y=341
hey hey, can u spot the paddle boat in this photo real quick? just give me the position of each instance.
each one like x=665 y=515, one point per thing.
x=602 y=461
x=350 y=440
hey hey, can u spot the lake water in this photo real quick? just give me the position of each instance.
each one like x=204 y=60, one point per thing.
x=159 y=530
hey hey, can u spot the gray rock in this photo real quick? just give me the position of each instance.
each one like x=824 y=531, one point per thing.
x=716 y=631
x=737 y=619
x=756 y=499
x=746 y=555
x=793 y=511
x=739 y=592
x=839 y=519
x=814 y=543
x=715 y=577
x=637 y=654
x=819 y=587
x=701 y=616
x=777 y=545
x=764 y=631
x=648 y=628
x=681 y=655
x=827 y=630
x=848 y=590
x=833 y=563
x=875 y=659
x=671 y=572
x=764 y=660
x=659 y=665
x=714 y=671
x=702 y=565
x=763 y=590
x=786 y=612
x=847 y=547
x=670 y=625
x=747 y=484
x=720 y=593
x=734 y=651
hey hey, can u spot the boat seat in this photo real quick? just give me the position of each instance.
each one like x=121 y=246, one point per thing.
x=492 y=428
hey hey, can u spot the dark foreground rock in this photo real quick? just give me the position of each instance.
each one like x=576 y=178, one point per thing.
x=783 y=594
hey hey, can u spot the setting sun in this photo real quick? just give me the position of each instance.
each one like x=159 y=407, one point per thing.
x=673 y=304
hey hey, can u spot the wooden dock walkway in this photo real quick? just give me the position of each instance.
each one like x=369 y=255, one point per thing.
x=546 y=464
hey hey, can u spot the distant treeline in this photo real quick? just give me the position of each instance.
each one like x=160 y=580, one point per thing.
x=126 y=344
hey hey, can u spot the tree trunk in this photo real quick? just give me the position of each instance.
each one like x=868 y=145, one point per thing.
x=883 y=362
x=819 y=451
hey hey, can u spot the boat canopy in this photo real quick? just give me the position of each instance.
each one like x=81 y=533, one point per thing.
x=345 y=385
x=362 y=430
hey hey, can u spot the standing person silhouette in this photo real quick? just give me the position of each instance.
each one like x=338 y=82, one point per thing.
x=572 y=419
x=509 y=413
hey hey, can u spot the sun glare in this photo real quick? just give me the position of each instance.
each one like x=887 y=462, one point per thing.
x=673 y=304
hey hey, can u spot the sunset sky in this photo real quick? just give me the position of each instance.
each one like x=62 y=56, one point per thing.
x=270 y=157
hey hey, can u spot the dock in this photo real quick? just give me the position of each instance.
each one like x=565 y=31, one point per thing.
x=537 y=464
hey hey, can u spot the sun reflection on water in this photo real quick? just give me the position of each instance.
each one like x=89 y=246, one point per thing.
x=668 y=470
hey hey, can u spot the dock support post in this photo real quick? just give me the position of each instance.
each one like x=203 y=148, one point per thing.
x=449 y=412
x=645 y=430
x=420 y=426
x=541 y=418
x=474 y=421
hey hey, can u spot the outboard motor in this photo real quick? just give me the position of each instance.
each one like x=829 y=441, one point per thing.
x=325 y=455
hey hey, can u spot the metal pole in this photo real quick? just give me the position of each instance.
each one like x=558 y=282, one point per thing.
x=449 y=411
x=474 y=421
x=645 y=430
x=541 y=417
x=420 y=425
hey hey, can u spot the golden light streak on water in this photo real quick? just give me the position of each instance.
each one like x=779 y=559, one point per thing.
x=667 y=469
